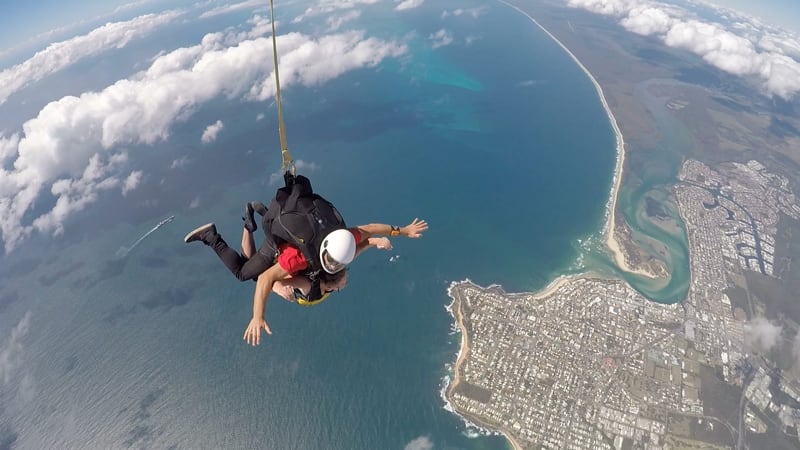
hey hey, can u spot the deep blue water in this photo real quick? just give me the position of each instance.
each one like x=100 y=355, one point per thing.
x=501 y=145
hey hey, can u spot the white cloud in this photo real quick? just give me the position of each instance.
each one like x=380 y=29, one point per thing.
x=132 y=5
x=721 y=48
x=607 y=7
x=194 y=203
x=781 y=44
x=746 y=48
x=441 y=38
x=15 y=376
x=307 y=166
x=132 y=181
x=49 y=36
x=472 y=12
x=328 y=6
x=336 y=22
x=236 y=7
x=179 y=163
x=646 y=20
x=74 y=138
x=8 y=147
x=259 y=26
x=12 y=352
x=312 y=63
x=60 y=55
x=211 y=132
x=420 y=443
x=259 y=117
x=75 y=194
x=761 y=334
x=408 y=4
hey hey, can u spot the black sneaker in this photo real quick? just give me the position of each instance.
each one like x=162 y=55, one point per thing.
x=259 y=208
x=199 y=233
x=249 y=221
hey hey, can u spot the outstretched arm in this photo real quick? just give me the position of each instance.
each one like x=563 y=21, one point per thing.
x=382 y=243
x=413 y=230
x=264 y=284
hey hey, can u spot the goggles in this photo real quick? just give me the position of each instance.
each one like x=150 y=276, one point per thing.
x=330 y=264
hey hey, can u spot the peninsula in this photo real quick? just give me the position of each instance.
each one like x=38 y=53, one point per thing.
x=590 y=362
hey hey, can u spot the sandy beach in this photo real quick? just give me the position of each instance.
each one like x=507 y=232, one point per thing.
x=609 y=230
x=553 y=286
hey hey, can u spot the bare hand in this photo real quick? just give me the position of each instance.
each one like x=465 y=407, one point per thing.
x=383 y=243
x=253 y=332
x=415 y=228
x=287 y=292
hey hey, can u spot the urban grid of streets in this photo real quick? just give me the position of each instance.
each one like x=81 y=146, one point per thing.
x=591 y=363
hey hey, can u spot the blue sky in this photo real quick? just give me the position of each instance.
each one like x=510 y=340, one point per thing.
x=20 y=21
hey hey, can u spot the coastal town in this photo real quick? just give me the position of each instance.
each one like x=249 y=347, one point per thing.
x=591 y=363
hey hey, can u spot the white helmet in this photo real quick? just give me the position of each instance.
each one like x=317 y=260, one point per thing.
x=337 y=250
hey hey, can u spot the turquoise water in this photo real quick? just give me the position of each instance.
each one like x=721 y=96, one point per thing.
x=501 y=145
x=658 y=177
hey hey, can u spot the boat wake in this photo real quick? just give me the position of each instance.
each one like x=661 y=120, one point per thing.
x=124 y=251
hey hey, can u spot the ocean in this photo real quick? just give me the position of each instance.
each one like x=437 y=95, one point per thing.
x=498 y=140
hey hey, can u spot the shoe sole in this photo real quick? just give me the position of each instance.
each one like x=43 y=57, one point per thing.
x=249 y=218
x=259 y=208
x=197 y=231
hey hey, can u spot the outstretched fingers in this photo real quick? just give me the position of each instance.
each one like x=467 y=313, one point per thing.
x=252 y=335
x=416 y=227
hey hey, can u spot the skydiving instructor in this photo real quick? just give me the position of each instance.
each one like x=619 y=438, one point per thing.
x=305 y=236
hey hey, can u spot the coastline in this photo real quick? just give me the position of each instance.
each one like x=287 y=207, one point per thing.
x=454 y=308
x=612 y=242
x=609 y=230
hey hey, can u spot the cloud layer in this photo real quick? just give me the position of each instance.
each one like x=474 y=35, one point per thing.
x=328 y=6
x=745 y=48
x=60 y=55
x=74 y=147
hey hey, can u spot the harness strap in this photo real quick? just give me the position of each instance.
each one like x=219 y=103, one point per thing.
x=286 y=157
